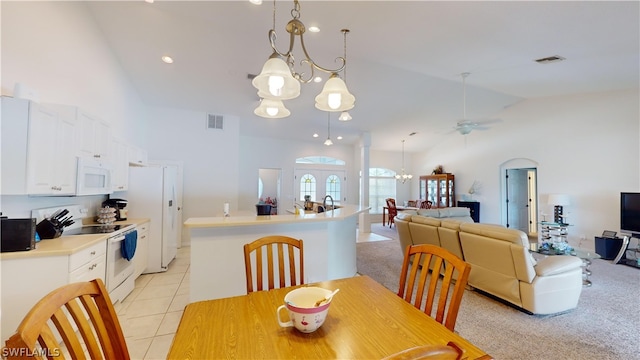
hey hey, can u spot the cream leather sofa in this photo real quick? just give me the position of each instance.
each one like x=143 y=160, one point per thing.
x=501 y=264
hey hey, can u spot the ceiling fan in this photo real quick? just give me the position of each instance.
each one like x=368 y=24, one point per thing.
x=465 y=126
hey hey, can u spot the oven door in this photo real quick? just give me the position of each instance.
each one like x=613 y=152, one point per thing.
x=118 y=268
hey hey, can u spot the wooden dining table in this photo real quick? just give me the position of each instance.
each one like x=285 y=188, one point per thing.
x=365 y=321
x=399 y=208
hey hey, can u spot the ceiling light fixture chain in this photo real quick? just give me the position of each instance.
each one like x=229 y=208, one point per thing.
x=345 y=116
x=403 y=177
x=295 y=27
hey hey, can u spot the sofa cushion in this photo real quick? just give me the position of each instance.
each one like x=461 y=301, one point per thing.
x=454 y=212
x=425 y=220
x=558 y=264
x=405 y=215
x=497 y=232
x=434 y=213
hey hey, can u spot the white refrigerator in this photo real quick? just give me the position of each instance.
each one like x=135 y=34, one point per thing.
x=153 y=194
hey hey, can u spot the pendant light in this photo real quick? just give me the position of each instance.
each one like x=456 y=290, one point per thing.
x=328 y=142
x=345 y=116
x=403 y=177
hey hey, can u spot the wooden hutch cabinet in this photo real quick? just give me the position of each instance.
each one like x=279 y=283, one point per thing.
x=439 y=189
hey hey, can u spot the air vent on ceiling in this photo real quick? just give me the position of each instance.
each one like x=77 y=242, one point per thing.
x=550 y=59
x=215 y=122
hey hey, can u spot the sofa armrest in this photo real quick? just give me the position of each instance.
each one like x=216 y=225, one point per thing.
x=559 y=264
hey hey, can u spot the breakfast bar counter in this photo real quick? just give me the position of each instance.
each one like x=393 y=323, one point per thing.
x=217 y=257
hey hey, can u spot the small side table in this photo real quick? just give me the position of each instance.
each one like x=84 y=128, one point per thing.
x=586 y=256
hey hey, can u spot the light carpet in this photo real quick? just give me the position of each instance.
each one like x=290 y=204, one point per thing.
x=604 y=326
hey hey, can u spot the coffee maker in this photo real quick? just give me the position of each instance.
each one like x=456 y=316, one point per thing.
x=119 y=205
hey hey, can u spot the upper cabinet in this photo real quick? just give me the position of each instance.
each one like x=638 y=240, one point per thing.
x=38 y=149
x=137 y=156
x=439 y=189
x=94 y=136
x=120 y=160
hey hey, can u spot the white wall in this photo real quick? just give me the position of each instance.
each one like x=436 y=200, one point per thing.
x=210 y=157
x=587 y=146
x=56 y=49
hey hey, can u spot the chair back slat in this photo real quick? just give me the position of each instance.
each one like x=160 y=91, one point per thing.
x=54 y=323
x=253 y=258
x=437 y=268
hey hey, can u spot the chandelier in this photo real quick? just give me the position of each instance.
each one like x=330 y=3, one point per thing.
x=403 y=177
x=279 y=80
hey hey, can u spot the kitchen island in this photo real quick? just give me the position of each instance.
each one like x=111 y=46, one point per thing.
x=217 y=257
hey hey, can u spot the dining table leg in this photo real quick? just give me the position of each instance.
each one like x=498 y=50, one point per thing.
x=384 y=215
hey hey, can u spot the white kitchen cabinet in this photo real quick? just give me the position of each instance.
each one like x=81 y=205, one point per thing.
x=142 y=250
x=137 y=156
x=89 y=263
x=39 y=149
x=94 y=136
x=120 y=156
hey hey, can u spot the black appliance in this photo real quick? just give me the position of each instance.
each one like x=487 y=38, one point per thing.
x=18 y=234
x=119 y=205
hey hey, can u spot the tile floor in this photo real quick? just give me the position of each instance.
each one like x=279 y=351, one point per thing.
x=150 y=315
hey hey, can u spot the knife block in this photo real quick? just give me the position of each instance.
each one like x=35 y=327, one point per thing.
x=48 y=229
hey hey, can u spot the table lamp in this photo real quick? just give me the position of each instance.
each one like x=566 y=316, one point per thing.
x=558 y=201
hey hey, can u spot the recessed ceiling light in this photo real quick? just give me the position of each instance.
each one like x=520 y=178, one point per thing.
x=167 y=59
x=314 y=29
x=339 y=138
x=315 y=135
x=317 y=79
x=149 y=1
x=256 y=2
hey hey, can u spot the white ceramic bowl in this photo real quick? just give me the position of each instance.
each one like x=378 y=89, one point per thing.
x=303 y=314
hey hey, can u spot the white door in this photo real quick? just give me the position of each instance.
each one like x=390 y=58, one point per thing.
x=319 y=183
x=518 y=199
x=169 y=215
x=42 y=149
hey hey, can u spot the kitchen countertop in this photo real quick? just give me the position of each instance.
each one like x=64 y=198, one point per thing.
x=245 y=220
x=66 y=244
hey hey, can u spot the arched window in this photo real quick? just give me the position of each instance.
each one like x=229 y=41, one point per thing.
x=382 y=185
x=308 y=186
x=333 y=187
x=319 y=160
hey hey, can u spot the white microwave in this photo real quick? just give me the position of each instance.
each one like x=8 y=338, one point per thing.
x=94 y=177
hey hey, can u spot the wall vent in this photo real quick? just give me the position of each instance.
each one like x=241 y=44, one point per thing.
x=550 y=59
x=215 y=122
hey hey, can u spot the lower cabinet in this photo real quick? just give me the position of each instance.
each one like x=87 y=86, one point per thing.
x=26 y=280
x=88 y=264
x=142 y=250
x=474 y=209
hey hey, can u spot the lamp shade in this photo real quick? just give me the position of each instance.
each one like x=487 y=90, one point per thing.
x=335 y=96
x=558 y=199
x=275 y=81
x=272 y=109
x=345 y=116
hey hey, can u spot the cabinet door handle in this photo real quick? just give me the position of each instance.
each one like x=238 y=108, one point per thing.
x=93 y=252
x=96 y=155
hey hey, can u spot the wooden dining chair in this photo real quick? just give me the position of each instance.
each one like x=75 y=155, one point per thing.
x=393 y=211
x=426 y=204
x=266 y=246
x=84 y=306
x=434 y=285
x=451 y=351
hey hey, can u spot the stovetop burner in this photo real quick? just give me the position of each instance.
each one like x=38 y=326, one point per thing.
x=93 y=229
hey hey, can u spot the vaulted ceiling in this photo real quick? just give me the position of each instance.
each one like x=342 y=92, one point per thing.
x=404 y=59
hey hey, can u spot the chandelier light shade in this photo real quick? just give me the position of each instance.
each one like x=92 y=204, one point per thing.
x=279 y=80
x=403 y=177
x=335 y=96
x=275 y=81
x=272 y=109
